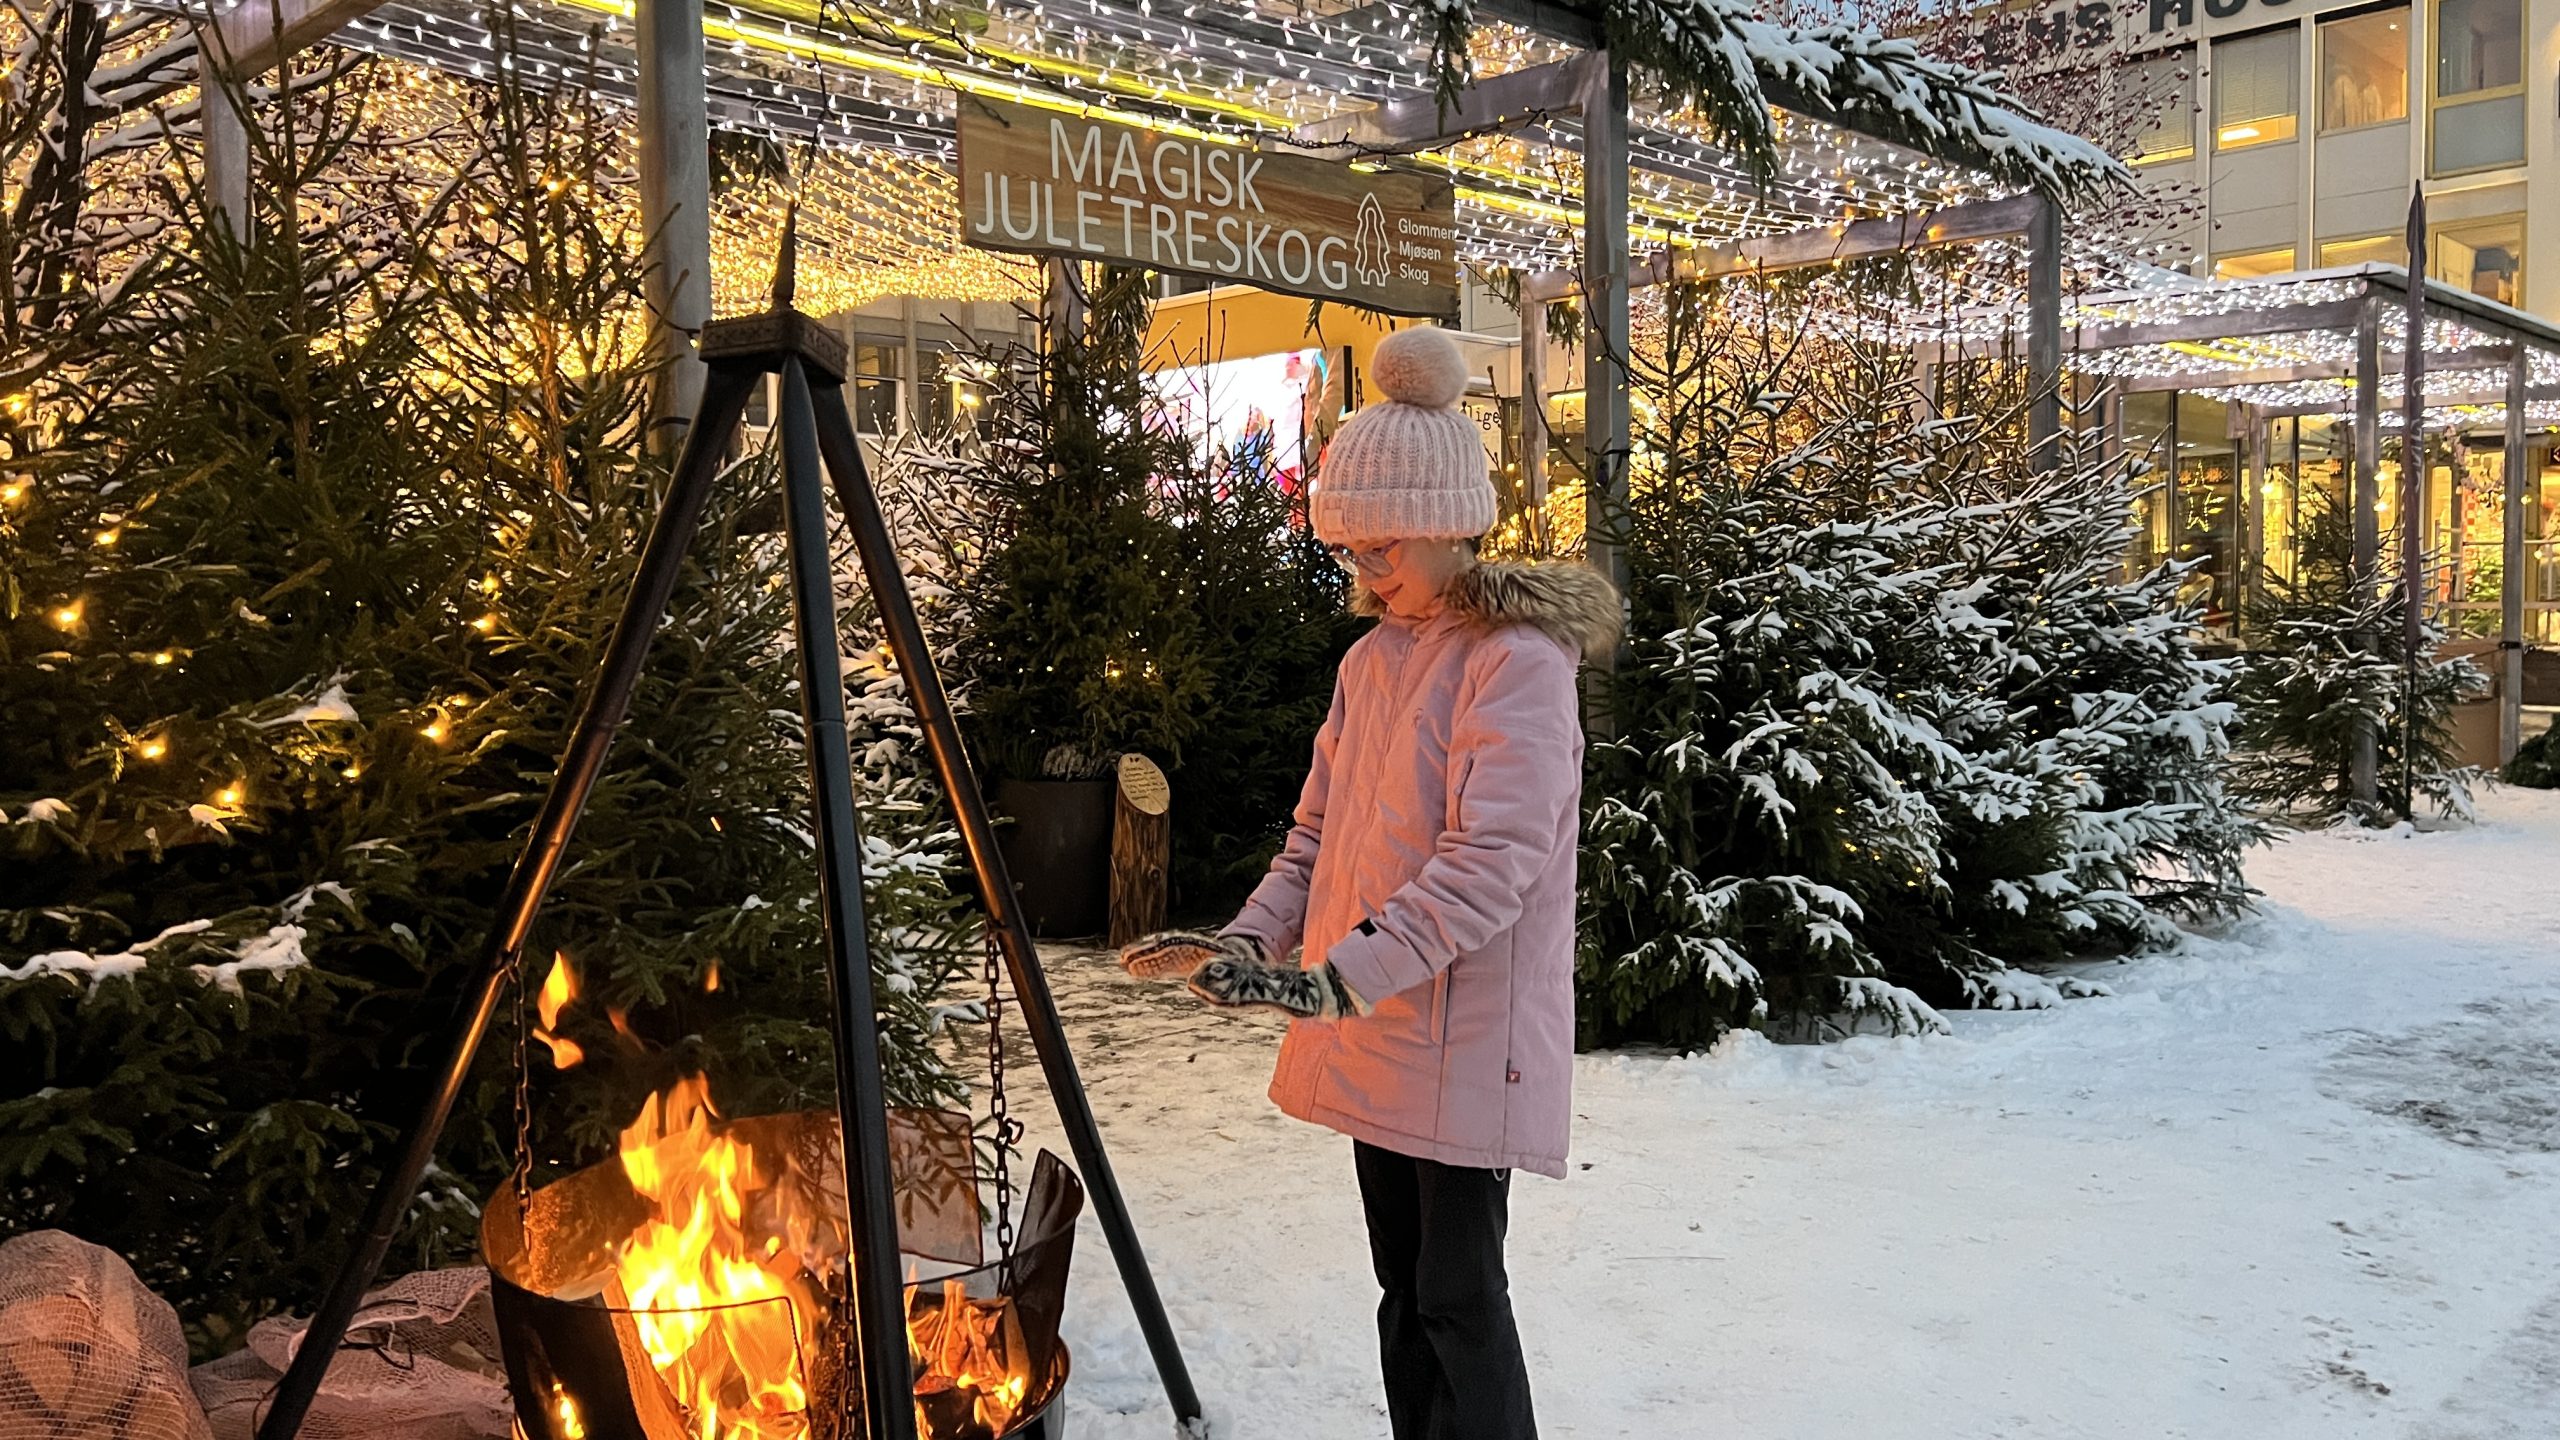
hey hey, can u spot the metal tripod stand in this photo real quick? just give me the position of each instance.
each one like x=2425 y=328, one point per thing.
x=818 y=447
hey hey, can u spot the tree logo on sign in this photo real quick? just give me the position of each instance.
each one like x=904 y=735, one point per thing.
x=1369 y=247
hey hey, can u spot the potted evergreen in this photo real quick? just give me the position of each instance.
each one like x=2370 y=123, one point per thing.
x=1080 y=647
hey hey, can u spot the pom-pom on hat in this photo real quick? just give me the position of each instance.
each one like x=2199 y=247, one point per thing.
x=1409 y=467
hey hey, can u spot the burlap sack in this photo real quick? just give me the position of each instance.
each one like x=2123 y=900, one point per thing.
x=420 y=1362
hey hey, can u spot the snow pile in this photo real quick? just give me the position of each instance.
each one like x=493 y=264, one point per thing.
x=2290 y=1182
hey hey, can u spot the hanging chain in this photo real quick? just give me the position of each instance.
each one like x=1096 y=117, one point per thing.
x=1007 y=1129
x=524 y=1104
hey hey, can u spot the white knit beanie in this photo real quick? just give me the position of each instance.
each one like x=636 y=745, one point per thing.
x=1409 y=467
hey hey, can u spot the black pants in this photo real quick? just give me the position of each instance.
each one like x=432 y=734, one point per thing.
x=1445 y=1337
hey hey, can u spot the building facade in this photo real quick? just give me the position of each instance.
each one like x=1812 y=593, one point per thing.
x=2289 y=131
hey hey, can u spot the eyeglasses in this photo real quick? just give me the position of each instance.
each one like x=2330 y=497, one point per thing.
x=1373 y=563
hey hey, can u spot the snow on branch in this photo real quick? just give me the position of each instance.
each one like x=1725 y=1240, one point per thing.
x=1731 y=66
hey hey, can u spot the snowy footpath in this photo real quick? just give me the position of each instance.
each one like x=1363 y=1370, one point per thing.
x=2299 y=1179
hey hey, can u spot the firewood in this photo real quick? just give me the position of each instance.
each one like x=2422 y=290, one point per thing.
x=36 y=1336
x=661 y=1418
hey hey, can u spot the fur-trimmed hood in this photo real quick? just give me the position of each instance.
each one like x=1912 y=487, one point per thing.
x=1570 y=601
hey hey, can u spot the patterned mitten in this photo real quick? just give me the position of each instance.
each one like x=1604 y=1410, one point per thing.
x=1317 y=994
x=1175 y=954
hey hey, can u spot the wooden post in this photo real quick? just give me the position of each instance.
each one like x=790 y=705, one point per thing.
x=675 y=202
x=2511 y=576
x=1141 y=849
x=1533 y=397
x=1608 y=432
x=226 y=149
x=2366 y=493
x=2044 y=335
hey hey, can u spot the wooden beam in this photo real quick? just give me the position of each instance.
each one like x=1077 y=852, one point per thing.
x=1823 y=245
x=2237 y=325
x=2478 y=357
x=258 y=35
x=1402 y=127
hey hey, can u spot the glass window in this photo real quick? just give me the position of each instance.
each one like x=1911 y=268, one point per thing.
x=2485 y=257
x=2477 y=89
x=2253 y=88
x=2365 y=250
x=2479 y=46
x=879 y=373
x=2252 y=264
x=954 y=391
x=2154 y=104
x=2364 y=70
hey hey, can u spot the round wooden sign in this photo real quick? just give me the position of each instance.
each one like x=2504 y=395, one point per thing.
x=1143 y=782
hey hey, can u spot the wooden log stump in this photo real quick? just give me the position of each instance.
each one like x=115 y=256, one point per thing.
x=1141 y=849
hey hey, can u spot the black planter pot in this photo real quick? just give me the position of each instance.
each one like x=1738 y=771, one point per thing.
x=1058 y=850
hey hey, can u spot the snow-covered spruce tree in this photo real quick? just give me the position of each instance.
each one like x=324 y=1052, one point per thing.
x=1078 y=647
x=306 y=601
x=2324 y=663
x=1890 y=718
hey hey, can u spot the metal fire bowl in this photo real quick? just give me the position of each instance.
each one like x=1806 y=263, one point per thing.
x=555 y=1347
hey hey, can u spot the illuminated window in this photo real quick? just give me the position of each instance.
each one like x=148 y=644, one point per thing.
x=879 y=380
x=2364 y=70
x=2253 y=88
x=2365 y=250
x=2475 y=94
x=2154 y=102
x=2485 y=257
x=2253 y=264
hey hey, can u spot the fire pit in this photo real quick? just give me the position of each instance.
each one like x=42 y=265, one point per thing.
x=694 y=1288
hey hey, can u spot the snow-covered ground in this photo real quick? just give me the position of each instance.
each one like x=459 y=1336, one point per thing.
x=2302 y=1179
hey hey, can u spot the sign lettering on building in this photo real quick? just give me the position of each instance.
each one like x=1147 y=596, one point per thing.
x=1050 y=183
x=2038 y=38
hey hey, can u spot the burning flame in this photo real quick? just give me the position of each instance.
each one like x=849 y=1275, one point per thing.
x=558 y=989
x=723 y=1289
x=725 y=1310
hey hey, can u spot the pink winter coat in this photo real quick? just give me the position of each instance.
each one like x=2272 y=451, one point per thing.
x=1432 y=863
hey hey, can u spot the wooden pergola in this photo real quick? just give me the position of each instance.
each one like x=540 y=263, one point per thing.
x=1705 y=140
x=2335 y=344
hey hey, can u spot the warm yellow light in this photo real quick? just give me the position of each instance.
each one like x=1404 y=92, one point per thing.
x=14 y=491
x=489 y=584
x=485 y=624
x=351 y=772
x=68 y=615
x=107 y=537
x=434 y=731
x=2239 y=132
x=154 y=749
x=231 y=796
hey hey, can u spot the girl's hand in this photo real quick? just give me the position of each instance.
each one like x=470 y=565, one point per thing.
x=1177 y=954
x=1317 y=994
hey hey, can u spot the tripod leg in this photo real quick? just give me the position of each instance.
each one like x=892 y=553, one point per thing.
x=888 y=1391
x=977 y=834
x=624 y=656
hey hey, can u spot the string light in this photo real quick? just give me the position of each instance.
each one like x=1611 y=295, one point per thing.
x=68 y=616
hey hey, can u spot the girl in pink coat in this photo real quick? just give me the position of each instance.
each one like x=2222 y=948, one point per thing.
x=1430 y=880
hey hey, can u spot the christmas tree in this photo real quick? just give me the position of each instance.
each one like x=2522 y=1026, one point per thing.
x=312 y=574
x=1078 y=647
x=2327 y=673
x=1891 y=720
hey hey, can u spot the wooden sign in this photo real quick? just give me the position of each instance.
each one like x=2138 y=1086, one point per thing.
x=1058 y=184
x=1141 y=849
x=1142 y=780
